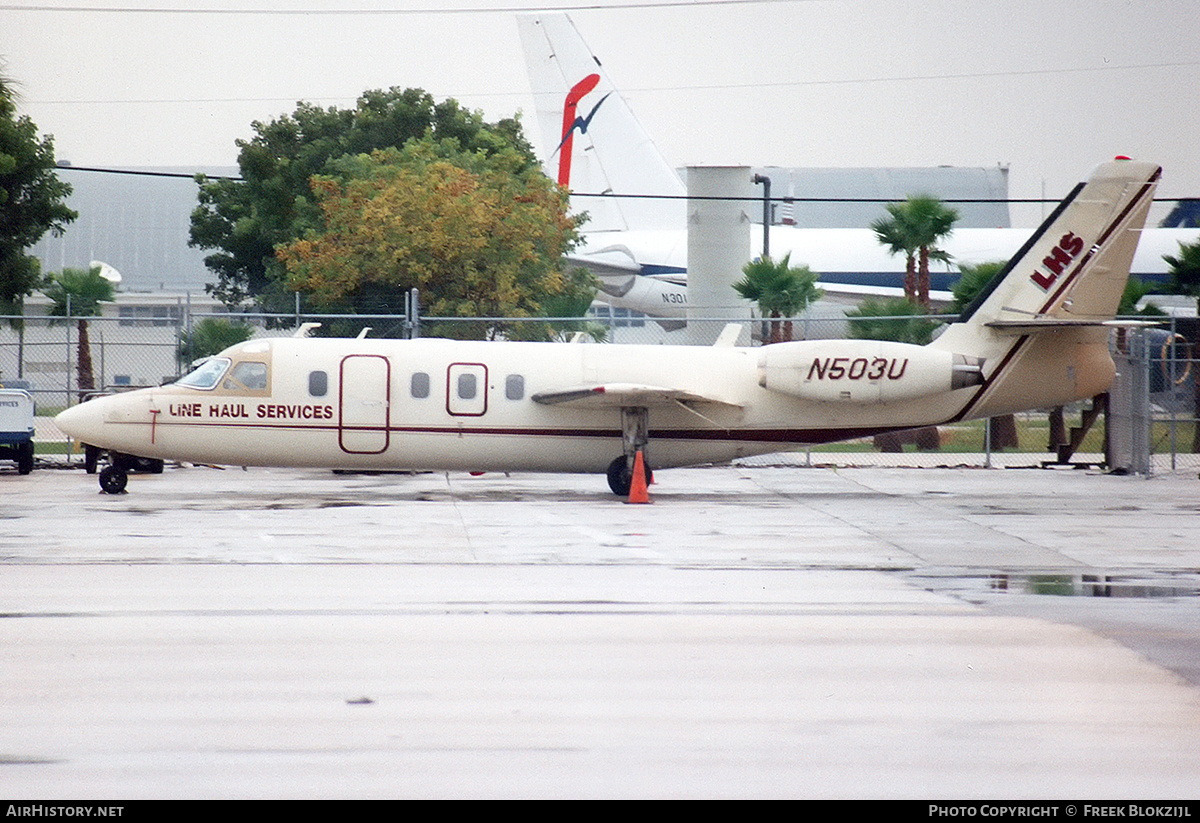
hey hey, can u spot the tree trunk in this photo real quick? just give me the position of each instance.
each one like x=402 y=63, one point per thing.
x=889 y=443
x=923 y=280
x=928 y=439
x=21 y=345
x=87 y=380
x=910 y=278
x=776 y=328
x=1058 y=430
x=1004 y=431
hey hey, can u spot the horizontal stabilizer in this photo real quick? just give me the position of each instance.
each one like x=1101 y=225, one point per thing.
x=1035 y=326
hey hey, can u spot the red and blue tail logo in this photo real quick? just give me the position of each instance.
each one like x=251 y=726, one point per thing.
x=571 y=123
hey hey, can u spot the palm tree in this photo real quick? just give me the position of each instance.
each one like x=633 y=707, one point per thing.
x=78 y=293
x=915 y=228
x=1185 y=270
x=893 y=234
x=781 y=291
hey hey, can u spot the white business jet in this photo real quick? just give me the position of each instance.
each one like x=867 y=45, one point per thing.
x=635 y=239
x=1036 y=338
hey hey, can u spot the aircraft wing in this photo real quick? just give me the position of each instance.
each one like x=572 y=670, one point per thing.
x=624 y=395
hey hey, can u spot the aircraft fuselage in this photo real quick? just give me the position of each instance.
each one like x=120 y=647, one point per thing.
x=442 y=404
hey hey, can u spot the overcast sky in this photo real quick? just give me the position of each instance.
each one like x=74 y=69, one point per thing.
x=1048 y=87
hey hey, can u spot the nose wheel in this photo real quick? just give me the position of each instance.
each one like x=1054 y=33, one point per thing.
x=113 y=479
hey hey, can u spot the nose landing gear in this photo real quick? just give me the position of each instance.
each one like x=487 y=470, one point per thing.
x=115 y=476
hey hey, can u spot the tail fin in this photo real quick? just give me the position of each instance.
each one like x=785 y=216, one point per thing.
x=1040 y=325
x=1075 y=266
x=592 y=141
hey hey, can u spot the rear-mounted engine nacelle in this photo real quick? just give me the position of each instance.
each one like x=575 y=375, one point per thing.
x=864 y=371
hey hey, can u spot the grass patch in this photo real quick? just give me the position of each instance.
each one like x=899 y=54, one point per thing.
x=969 y=437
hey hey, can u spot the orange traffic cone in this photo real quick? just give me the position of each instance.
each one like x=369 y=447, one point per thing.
x=637 y=488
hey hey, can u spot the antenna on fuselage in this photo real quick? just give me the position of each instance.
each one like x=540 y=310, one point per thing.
x=305 y=328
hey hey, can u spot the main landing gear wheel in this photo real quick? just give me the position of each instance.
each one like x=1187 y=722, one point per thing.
x=620 y=476
x=113 y=479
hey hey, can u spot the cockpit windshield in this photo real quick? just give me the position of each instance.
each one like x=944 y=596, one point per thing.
x=206 y=375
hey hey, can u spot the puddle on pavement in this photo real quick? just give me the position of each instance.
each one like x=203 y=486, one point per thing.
x=1135 y=584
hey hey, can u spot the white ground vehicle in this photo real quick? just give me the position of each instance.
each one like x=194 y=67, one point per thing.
x=16 y=428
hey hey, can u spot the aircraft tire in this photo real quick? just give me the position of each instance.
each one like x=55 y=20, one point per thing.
x=620 y=478
x=151 y=465
x=25 y=457
x=113 y=480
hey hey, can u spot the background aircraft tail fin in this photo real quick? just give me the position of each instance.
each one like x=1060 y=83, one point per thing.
x=591 y=141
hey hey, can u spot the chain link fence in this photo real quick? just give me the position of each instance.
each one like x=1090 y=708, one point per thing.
x=1146 y=424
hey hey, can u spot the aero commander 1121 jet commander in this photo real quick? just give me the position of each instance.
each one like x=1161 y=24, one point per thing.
x=1037 y=337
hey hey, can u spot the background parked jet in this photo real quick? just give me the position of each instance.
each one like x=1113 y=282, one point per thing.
x=635 y=239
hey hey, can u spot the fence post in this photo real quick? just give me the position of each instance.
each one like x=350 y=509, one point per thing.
x=1130 y=407
x=70 y=362
x=183 y=332
x=1141 y=406
x=413 y=308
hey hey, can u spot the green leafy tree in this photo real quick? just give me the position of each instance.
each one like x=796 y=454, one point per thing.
x=1135 y=290
x=914 y=228
x=244 y=220
x=973 y=280
x=78 y=293
x=31 y=200
x=480 y=235
x=895 y=318
x=211 y=336
x=781 y=291
x=568 y=310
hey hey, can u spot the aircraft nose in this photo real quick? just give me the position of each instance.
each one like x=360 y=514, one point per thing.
x=83 y=422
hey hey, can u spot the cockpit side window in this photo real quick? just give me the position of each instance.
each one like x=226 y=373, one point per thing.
x=205 y=376
x=248 y=376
